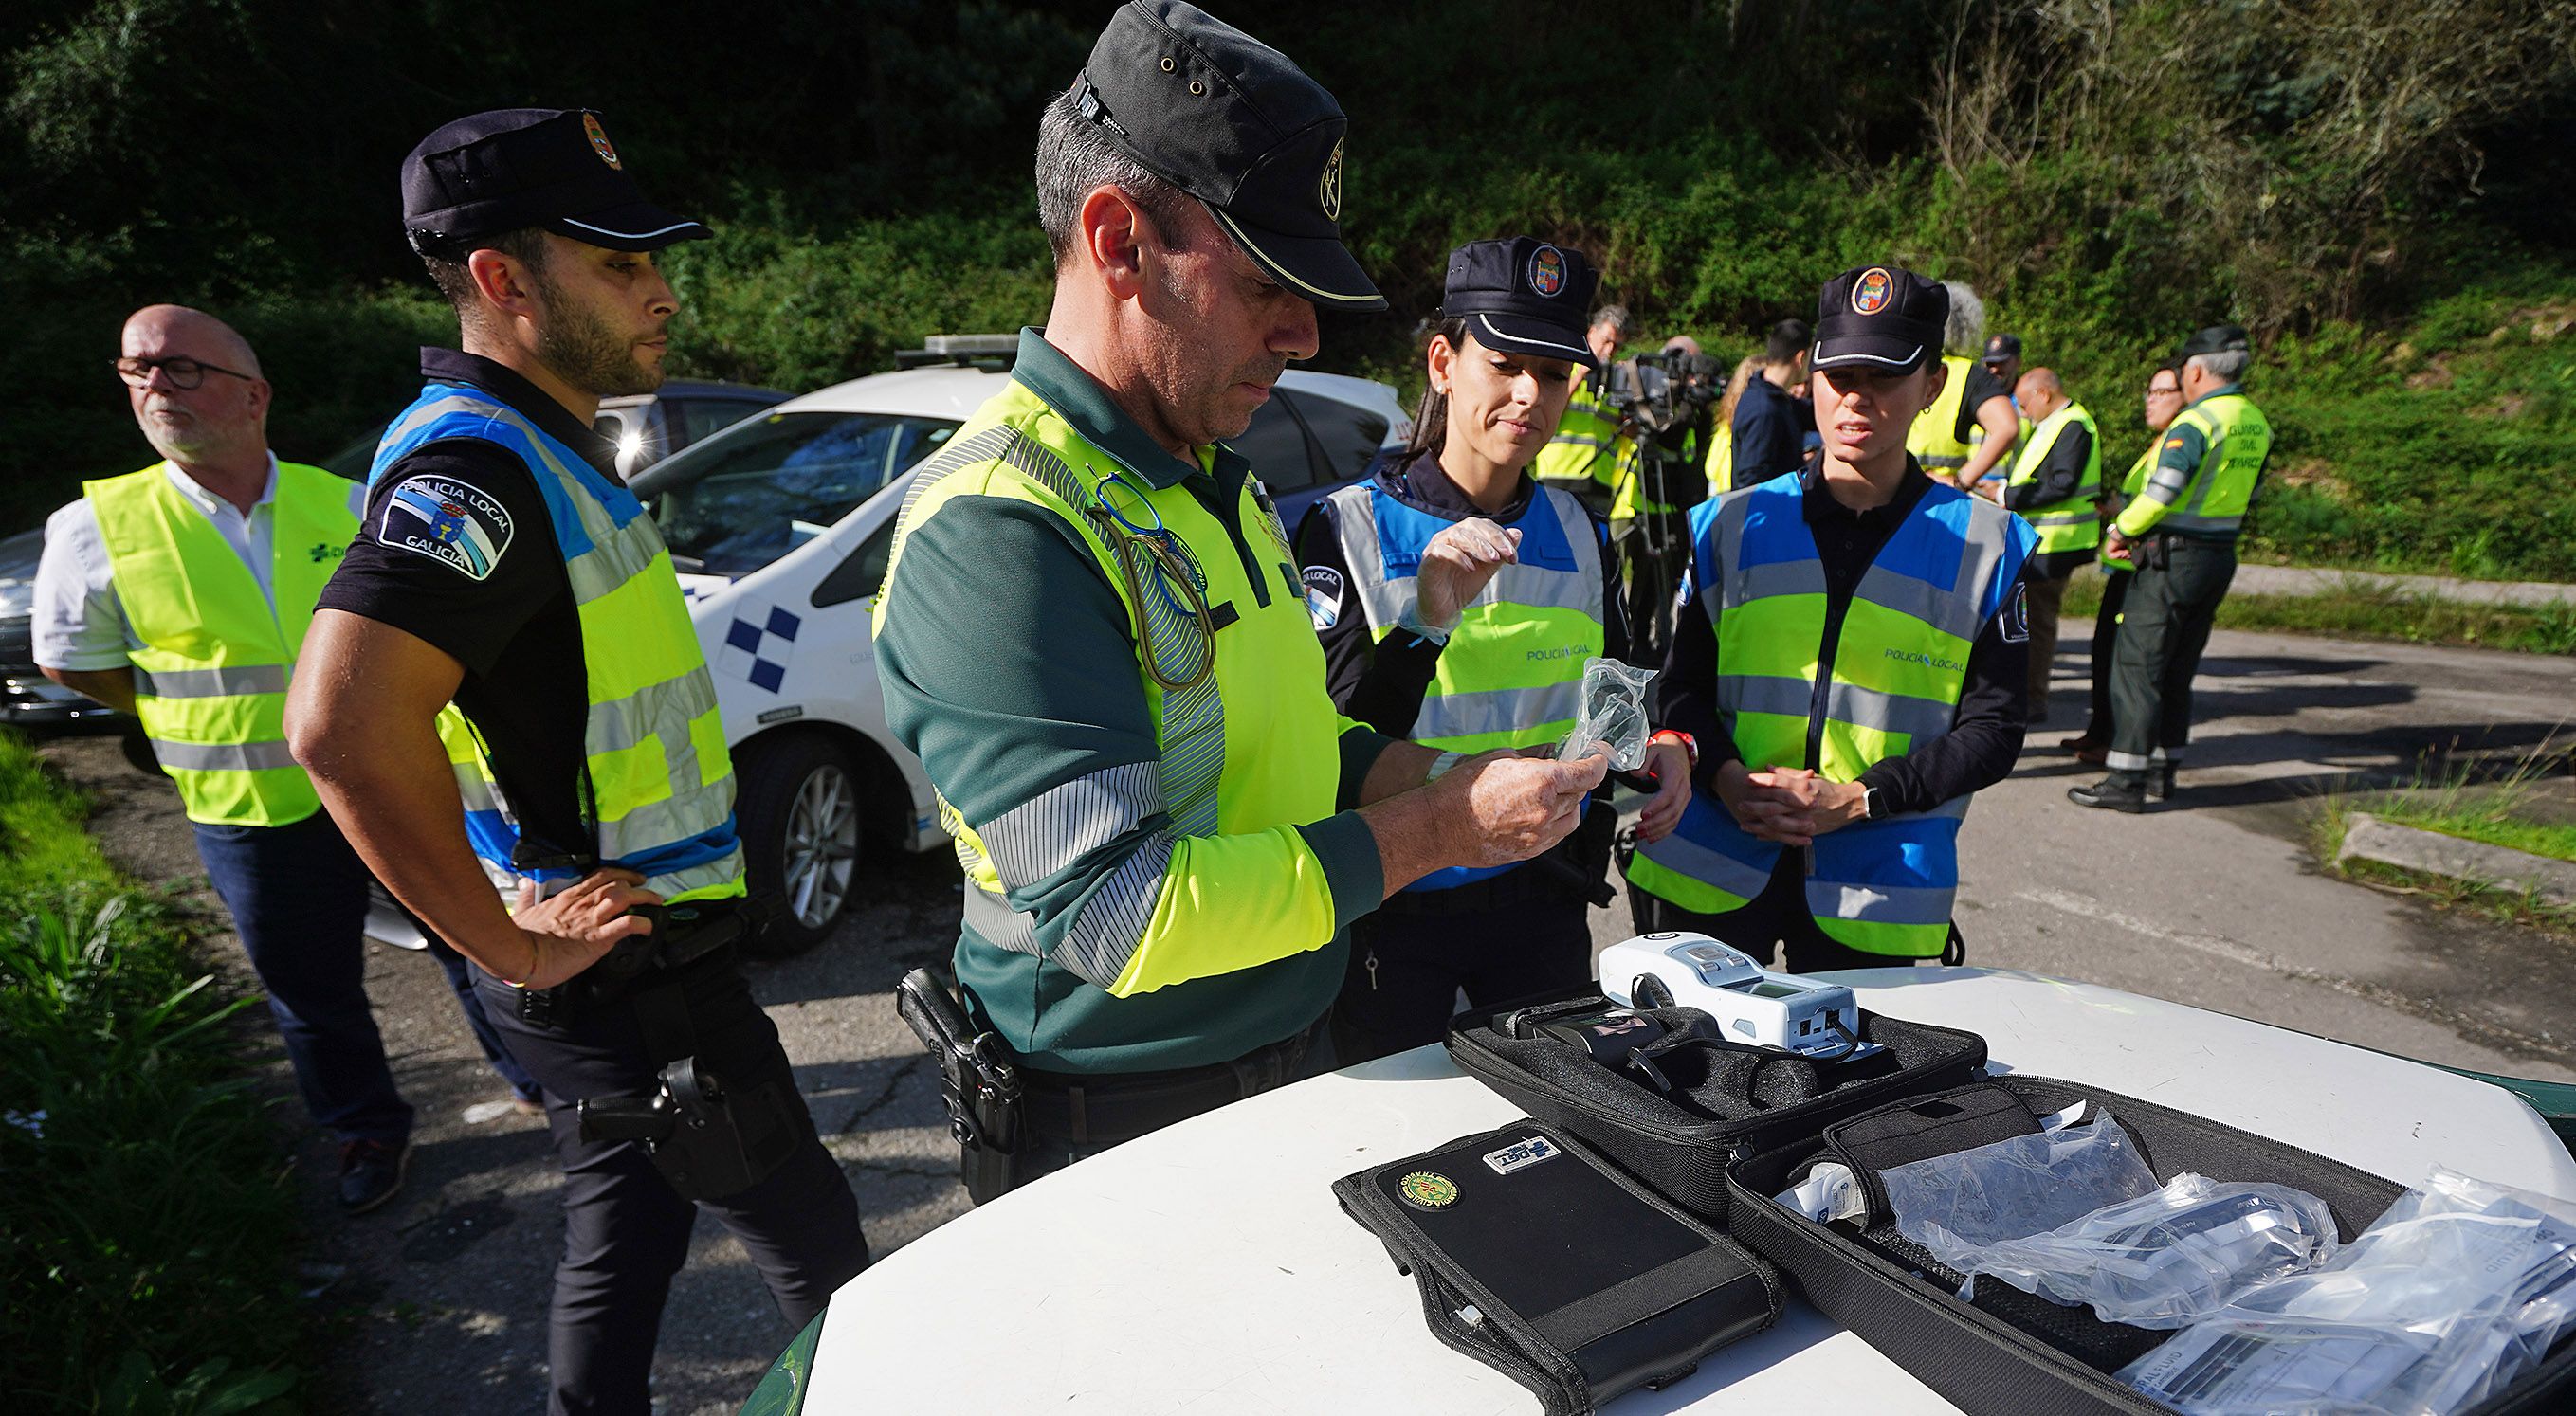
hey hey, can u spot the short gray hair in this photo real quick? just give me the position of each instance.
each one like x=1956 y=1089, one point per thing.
x=1076 y=157
x=2226 y=366
x=1615 y=316
x=1967 y=327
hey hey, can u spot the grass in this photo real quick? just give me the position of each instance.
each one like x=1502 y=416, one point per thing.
x=2361 y=609
x=147 y=1237
x=2499 y=804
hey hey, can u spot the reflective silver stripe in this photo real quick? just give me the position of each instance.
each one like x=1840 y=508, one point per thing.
x=1497 y=710
x=992 y=920
x=2119 y=761
x=231 y=681
x=1386 y=600
x=1762 y=582
x=1707 y=864
x=2203 y=525
x=1941 y=459
x=1061 y=825
x=1115 y=916
x=1957 y=613
x=1880 y=904
x=674 y=818
x=1920 y=719
x=2077 y=516
x=1577 y=440
x=2167 y=481
x=723 y=870
x=222 y=756
x=1762 y=693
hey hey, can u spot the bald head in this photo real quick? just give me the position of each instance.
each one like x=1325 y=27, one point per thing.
x=223 y=420
x=1681 y=344
x=2039 y=393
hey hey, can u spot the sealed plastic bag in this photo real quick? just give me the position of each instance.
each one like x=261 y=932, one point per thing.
x=2462 y=1286
x=1614 y=715
x=1956 y=1204
x=2167 y=1257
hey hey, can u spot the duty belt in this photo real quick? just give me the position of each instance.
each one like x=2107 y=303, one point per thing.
x=1104 y=1109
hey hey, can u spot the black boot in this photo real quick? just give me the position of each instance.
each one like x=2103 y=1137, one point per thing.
x=2160 y=782
x=2111 y=794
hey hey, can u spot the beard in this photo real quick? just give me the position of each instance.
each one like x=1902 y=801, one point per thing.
x=585 y=352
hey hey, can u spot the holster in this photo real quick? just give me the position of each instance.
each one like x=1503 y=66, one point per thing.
x=977 y=1081
x=709 y=1138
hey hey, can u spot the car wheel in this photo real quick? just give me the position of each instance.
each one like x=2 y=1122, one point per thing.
x=798 y=808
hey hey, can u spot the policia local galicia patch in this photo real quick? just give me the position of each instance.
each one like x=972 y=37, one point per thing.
x=446 y=521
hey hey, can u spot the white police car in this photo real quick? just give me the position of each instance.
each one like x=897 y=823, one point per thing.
x=780 y=527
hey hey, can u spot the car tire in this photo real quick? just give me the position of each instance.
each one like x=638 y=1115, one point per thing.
x=799 y=811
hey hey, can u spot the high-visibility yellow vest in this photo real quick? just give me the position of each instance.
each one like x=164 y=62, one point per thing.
x=210 y=675
x=1891 y=682
x=2074 y=524
x=2130 y=485
x=657 y=776
x=1934 y=438
x=2210 y=500
x=1587 y=446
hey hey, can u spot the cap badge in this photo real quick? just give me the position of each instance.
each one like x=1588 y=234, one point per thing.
x=1547 y=271
x=1428 y=1189
x=1870 y=293
x=1328 y=188
x=599 y=141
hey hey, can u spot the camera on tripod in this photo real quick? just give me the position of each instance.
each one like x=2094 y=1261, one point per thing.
x=1662 y=393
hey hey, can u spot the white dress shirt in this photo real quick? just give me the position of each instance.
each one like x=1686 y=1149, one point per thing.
x=80 y=625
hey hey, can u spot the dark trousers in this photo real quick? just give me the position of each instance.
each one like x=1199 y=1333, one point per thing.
x=626 y=1231
x=2163 y=629
x=2106 y=643
x=1778 y=916
x=2047 y=595
x=298 y=897
x=460 y=977
x=1407 y=966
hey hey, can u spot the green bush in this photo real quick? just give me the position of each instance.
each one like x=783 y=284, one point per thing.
x=147 y=1238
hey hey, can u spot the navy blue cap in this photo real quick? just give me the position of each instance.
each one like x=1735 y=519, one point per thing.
x=2217 y=339
x=1232 y=122
x=2000 y=347
x=1523 y=296
x=514 y=168
x=1883 y=317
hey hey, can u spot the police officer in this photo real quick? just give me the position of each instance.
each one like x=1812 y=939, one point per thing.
x=1967 y=432
x=1770 y=422
x=2163 y=399
x=180 y=594
x=504 y=566
x=1829 y=820
x=1458 y=601
x=2180 y=531
x=1091 y=634
x=1591 y=445
x=2056 y=485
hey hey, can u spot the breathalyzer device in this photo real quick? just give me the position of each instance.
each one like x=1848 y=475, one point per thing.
x=1750 y=1003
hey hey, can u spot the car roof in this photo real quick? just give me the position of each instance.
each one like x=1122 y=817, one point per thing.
x=956 y=391
x=698 y=388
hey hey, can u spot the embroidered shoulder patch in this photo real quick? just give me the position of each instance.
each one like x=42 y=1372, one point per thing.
x=446 y=521
x=1323 y=595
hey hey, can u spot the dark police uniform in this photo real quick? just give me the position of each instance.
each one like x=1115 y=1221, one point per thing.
x=481 y=493
x=1509 y=676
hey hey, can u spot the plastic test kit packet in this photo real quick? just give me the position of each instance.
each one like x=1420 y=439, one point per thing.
x=1614 y=715
x=2458 y=1289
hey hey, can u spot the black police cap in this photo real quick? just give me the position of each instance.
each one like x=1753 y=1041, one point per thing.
x=2000 y=347
x=1523 y=296
x=1232 y=122
x=2217 y=339
x=513 y=168
x=1879 y=317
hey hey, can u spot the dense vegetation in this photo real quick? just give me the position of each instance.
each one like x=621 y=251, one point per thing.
x=2375 y=186
x=146 y=1232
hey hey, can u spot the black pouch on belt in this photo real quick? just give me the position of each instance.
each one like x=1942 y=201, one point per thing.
x=710 y=1135
x=1541 y=1261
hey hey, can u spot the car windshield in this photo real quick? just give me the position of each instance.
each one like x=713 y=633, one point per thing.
x=734 y=504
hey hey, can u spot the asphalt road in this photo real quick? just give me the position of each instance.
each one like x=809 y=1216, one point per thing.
x=437 y=1304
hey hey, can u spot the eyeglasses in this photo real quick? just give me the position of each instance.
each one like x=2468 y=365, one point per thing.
x=182 y=371
x=2159 y=391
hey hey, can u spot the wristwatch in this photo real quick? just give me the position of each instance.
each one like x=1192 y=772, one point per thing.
x=1873 y=804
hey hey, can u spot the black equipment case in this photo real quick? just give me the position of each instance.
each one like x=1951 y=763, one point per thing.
x=1538 y=1259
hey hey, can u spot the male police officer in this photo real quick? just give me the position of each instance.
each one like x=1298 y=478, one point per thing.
x=2056 y=485
x=1589 y=448
x=504 y=566
x=180 y=594
x=1849 y=655
x=2180 y=531
x=1971 y=427
x=1092 y=635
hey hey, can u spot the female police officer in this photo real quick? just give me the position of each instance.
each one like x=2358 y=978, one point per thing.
x=1458 y=601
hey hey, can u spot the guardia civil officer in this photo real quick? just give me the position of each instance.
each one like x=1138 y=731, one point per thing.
x=504 y=566
x=1092 y=635
x=1851 y=656
x=2180 y=531
x=1966 y=432
x=1489 y=654
x=2056 y=485
x=2163 y=399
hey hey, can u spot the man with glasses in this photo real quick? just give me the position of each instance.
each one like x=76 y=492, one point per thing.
x=180 y=594
x=2163 y=401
